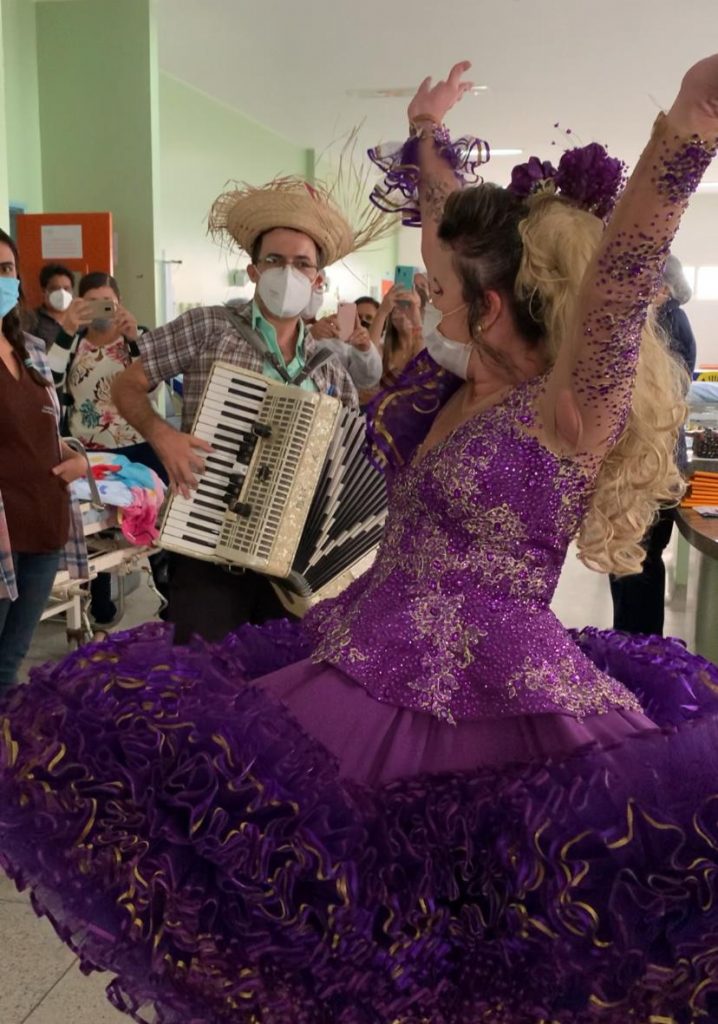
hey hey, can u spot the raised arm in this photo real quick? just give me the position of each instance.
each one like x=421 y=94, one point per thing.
x=437 y=180
x=589 y=390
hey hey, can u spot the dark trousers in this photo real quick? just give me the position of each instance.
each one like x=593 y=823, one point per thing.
x=639 y=600
x=35 y=575
x=204 y=598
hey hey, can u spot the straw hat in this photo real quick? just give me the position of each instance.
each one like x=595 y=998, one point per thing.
x=245 y=212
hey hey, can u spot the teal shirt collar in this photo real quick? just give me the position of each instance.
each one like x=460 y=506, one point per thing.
x=261 y=324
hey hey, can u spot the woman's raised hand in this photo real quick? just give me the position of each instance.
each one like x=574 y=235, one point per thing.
x=696 y=106
x=433 y=102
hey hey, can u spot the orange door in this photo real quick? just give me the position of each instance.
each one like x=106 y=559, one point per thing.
x=80 y=241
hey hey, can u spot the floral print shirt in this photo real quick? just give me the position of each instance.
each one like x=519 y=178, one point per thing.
x=93 y=418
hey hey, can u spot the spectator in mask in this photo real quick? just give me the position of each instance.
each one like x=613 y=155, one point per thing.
x=87 y=356
x=397 y=332
x=290 y=230
x=57 y=283
x=40 y=523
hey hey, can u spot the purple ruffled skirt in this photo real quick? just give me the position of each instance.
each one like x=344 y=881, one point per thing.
x=240 y=835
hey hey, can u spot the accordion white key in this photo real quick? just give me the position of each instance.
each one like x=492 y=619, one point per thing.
x=287 y=492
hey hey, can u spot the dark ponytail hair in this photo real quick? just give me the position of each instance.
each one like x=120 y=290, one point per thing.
x=97 y=279
x=481 y=226
x=15 y=322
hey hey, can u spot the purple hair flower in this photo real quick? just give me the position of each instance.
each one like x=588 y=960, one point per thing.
x=591 y=178
x=530 y=177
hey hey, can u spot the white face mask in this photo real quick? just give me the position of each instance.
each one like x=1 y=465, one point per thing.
x=284 y=291
x=313 y=306
x=452 y=355
x=59 y=299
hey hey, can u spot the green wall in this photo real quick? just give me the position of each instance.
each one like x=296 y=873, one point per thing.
x=204 y=144
x=4 y=196
x=97 y=86
x=21 y=106
x=89 y=123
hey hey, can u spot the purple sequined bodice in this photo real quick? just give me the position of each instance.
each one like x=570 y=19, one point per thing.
x=453 y=618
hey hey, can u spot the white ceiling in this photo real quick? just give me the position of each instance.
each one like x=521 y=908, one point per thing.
x=599 y=67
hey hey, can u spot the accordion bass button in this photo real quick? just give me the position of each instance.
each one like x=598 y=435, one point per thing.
x=241 y=508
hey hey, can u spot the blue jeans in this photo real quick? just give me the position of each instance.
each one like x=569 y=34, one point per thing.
x=35 y=575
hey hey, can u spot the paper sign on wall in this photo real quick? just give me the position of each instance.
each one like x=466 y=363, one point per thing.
x=61 y=241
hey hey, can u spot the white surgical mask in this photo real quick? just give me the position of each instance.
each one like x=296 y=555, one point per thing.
x=59 y=299
x=284 y=291
x=313 y=306
x=452 y=355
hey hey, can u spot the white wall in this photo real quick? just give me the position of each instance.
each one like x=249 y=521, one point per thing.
x=697 y=245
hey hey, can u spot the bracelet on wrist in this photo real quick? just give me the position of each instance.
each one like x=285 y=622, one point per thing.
x=423 y=125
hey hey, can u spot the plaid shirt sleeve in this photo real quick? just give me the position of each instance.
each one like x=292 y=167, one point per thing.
x=346 y=391
x=74 y=556
x=173 y=348
x=333 y=378
x=8 y=587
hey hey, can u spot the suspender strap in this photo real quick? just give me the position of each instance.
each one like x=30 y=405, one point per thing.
x=260 y=346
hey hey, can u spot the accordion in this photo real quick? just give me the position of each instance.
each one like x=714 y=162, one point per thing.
x=288 y=490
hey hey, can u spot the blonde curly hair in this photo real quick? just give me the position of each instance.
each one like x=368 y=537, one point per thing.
x=540 y=249
x=639 y=473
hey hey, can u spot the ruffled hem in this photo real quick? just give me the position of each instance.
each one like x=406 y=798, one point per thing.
x=185 y=833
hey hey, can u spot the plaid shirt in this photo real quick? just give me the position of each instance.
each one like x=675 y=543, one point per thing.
x=74 y=557
x=193 y=342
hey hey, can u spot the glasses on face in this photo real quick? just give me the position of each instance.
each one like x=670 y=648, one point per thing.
x=300 y=263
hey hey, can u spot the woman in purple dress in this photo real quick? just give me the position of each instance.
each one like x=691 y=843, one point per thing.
x=428 y=803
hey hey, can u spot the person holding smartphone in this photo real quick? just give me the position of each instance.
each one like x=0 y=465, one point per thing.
x=348 y=339
x=98 y=340
x=396 y=331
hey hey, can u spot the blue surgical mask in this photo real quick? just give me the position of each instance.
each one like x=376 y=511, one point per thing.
x=9 y=294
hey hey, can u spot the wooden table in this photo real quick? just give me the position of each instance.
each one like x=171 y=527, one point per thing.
x=702 y=534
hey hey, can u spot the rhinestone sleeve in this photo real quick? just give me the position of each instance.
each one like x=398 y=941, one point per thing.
x=623 y=279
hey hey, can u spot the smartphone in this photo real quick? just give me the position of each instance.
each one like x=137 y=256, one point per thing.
x=346 y=320
x=404 y=277
x=101 y=309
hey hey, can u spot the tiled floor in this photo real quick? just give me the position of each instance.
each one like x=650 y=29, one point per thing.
x=39 y=979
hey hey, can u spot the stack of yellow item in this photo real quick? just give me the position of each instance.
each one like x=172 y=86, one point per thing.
x=703 y=490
